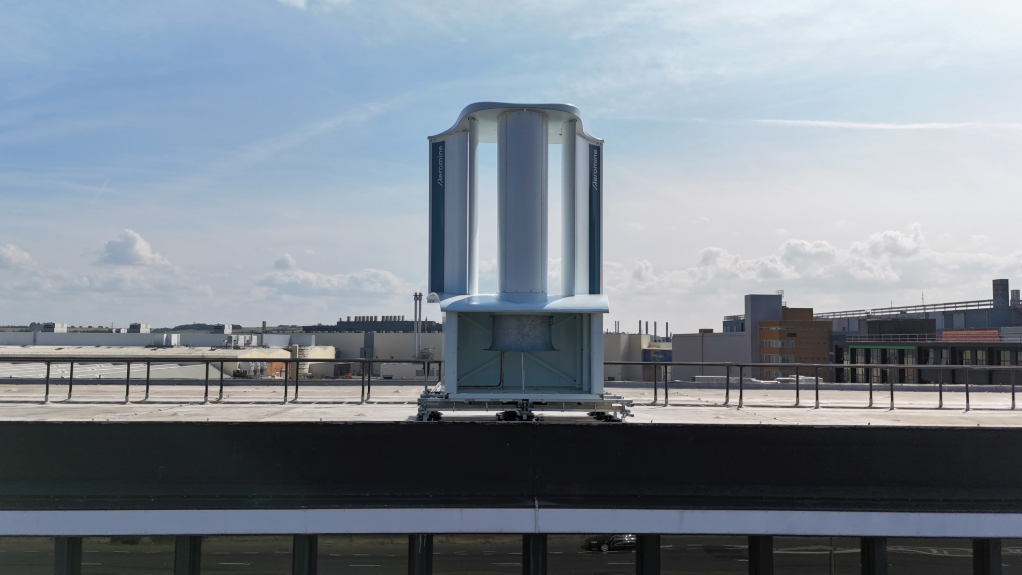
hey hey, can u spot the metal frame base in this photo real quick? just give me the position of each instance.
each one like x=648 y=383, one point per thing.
x=510 y=407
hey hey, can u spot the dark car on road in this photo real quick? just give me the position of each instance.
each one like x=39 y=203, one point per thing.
x=605 y=543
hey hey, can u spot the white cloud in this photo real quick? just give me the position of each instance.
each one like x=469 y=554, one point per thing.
x=301 y=283
x=129 y=249
x=286 y=262
x=13 y=257
x=886 y=265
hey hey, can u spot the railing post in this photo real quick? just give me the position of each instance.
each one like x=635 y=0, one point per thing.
x=818 y=387
x=940 y=388
x=796 y=387
x=362 y=366
x=727 y=384
x=967 y=389
x=891 y=382
x=127 y=382
x=369 y=381
x=287 y=374
x=205 y=394
x=741 y=386
x=655 y=374
x=1013 y=388
x=870 y=378
x=71 y=381
x=148 y=365
x=221 y=396
x=666 y=399
x=296 y=384
x=46 y=397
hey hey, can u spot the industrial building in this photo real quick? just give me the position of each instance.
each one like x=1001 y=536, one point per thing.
x=375 y=323
x=975 y=332
x=768 y=332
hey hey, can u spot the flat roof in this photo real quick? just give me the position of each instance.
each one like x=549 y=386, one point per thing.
x=339 y=401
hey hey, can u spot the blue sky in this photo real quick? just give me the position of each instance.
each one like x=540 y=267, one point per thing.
x=169 y=162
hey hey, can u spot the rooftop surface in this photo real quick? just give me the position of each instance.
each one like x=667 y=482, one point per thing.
x=339 y=401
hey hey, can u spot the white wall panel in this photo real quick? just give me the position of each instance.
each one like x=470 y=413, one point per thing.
x=456 y=212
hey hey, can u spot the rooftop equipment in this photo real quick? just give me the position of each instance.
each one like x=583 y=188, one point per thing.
x=522 y=346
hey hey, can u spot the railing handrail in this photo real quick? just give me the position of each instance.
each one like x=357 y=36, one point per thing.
x=217 y=359
x=921 y=308
x=366 y=376
x=947 y=336
x=792 y=366
x=195 y=359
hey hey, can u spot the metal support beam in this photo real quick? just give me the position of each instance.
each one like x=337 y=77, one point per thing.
x=761 y=555
x=647 y=555
x=873 y=555
x=187 y=555
x=986 y=557
x=420 y=554
x=304 y=554
x=67 y=556
x=534 y=554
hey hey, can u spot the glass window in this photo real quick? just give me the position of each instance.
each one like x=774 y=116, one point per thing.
x=115 y=555
x=695 y=555
x=916 y=556
x=875 y=357
x=966 y=357
x=910 y=359
x=500 y=554
x=246 y=554
x=26 y=555
x=362 y=554
x=1011 y=556
x=981 y=357
x=816 y=555
x=582 y=554
x=1005 y=357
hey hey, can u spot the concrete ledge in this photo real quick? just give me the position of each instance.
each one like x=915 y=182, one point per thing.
x=496 y=520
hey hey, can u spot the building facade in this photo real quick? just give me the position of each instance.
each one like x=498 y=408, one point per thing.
x=795 y=338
